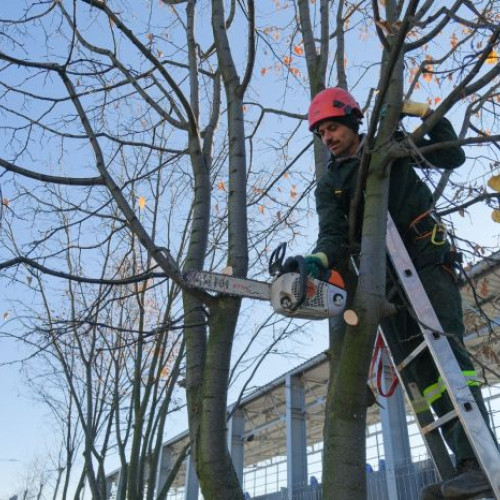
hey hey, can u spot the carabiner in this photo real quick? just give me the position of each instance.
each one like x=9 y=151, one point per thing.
x=439 y=233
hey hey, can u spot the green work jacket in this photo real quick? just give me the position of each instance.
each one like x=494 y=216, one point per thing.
x=409 y=196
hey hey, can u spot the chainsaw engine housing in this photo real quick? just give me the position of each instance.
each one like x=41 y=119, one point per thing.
x=323 y=300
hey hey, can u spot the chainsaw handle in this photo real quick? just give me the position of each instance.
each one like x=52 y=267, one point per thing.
x=302 y=281
x=276 y=260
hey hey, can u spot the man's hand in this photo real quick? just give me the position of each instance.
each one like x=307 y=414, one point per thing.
x=316 y=265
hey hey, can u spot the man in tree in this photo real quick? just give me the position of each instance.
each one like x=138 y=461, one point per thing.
x=335 y=116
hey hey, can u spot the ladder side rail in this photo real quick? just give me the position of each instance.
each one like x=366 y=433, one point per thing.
x=485 y=448
x=433 y=440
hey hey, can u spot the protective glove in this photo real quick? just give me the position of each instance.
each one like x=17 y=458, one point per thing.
x=412 y=108
x=316 y=265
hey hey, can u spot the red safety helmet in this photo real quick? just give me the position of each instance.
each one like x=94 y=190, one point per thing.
x=331 y=103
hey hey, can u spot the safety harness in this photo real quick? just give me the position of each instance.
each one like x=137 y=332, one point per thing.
x=428 y=225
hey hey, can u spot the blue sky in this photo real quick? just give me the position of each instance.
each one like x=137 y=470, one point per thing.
x=25 y=432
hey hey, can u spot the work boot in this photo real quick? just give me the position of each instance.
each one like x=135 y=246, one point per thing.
x=470 y=482
x=431 y=492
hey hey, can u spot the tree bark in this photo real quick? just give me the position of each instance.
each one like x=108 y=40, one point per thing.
x=344 y=475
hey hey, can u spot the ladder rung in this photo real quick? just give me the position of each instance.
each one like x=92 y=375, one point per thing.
x=412 y=356
x=439 y=422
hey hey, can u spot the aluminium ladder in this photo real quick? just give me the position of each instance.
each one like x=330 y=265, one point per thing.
x=465 y=407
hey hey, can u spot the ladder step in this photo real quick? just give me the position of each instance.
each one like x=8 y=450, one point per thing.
x=421 y=347
x=439 y=422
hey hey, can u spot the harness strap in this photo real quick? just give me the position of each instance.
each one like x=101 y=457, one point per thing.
x=451 y=258
x=427 y=224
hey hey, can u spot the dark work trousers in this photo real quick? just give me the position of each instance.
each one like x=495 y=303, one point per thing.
x=403 y=335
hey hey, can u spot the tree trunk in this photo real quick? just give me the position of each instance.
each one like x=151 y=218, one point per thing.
x=208 y=419
x=344 y=475
x=216 y=472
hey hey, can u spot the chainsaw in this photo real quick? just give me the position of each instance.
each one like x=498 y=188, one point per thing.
x=292 y=294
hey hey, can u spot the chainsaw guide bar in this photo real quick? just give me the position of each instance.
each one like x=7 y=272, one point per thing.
x=241 y=287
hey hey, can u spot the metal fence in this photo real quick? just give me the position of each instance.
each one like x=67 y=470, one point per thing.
x=407 y=482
